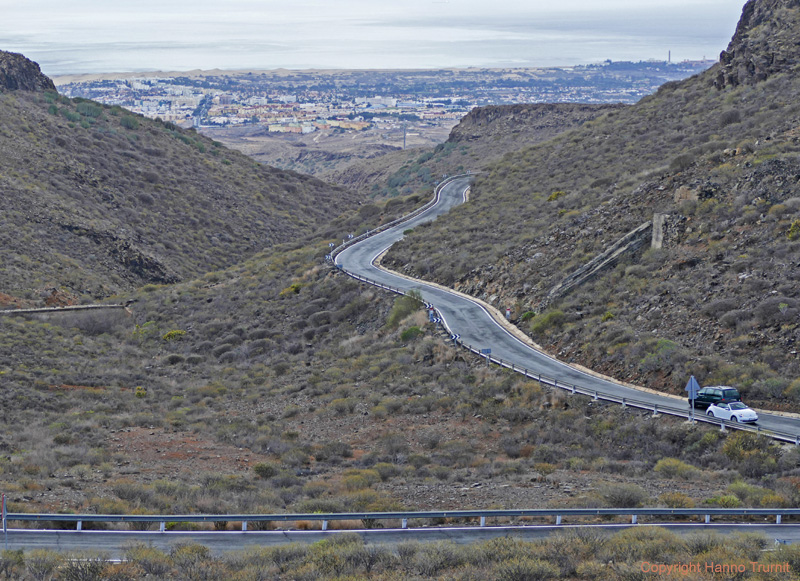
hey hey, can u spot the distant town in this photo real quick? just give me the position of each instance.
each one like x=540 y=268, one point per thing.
x=303 y=102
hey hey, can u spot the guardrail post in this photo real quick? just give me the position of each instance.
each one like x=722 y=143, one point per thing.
x=244 y=526
x=80 y=525
x=624 y=405
x=555 y=384
x=722 y=427
x=324 y=525
x=595 y=396
x=573 y=389
x=708 y=519
x=778 y=519
x=655 y=409
x=483 y=521
x=162 y=527
x=558 y=520
x=405 y=523
x=634 y=519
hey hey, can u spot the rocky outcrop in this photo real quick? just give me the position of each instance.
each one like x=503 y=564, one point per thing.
x=765 y=44
x=18 y=73
x=542 y=121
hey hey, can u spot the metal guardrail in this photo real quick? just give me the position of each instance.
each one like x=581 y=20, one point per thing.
x=45 y=310
x=554 y=382
x=625 y=401
x=404 y=517
x=436 y=195
x=594 y=393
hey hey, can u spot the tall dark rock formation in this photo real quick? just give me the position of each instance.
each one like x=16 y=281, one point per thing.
x=767 y=42
x=18 y=73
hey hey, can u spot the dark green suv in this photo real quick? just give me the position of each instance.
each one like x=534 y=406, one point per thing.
x=715 y=394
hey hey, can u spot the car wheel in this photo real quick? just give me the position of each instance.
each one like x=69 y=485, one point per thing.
x=734 y=419
x=710 y=414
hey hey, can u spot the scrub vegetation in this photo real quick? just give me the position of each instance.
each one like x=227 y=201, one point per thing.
x=718 y=300
x=631 y=554
x=253 y=377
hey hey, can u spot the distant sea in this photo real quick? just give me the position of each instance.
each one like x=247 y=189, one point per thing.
x=73 y=38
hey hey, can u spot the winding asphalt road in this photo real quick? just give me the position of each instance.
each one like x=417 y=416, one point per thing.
x=471 y=320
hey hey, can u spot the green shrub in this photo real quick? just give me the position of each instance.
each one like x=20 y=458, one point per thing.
x=387 y=471
x=11 y=564
x=265 y=470
x=546 y=321
x=41 y=563
x=433 y=558
x=174 y=335
x=129 y=122
x=794 y=230
x=676 y=500
x=411 y=333
x=726 y=501
x=403 y=307
x=623 y=495
x=674 y=468
x=89 y=109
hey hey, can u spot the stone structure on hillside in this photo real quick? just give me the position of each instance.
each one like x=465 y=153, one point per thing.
x=18 y=73
x=664 y=230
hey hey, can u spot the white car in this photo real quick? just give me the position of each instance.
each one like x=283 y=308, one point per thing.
x=735 y=411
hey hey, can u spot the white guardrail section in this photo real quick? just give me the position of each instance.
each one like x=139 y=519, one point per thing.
x=400 y=220
x=549 y=516
x=551 y=381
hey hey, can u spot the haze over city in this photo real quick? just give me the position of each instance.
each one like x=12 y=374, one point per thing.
x=88 y=36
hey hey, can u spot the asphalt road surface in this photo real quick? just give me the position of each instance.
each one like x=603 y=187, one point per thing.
x=470 y=320
x=112 y=544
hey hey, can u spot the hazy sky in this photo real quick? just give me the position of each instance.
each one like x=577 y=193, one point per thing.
x=98 y=36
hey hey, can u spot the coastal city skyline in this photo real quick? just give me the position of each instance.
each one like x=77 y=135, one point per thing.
x=89 y=37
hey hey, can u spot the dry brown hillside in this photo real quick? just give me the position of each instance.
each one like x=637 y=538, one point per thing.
x=483 y=136
x=720 y=158
x=97 y=199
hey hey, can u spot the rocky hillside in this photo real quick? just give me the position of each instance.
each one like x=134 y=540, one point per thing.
x=482 y=137
x=765 y=44
x=523 y=125
x=97 y=199
x=720 y=158
x=281 y=385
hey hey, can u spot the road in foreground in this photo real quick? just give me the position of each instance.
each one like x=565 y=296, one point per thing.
x=113 y=543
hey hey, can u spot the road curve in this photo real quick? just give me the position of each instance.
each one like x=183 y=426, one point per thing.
x=471 y=320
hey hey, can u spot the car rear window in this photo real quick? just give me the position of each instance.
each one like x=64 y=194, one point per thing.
x=730 y=393
x=737 y=406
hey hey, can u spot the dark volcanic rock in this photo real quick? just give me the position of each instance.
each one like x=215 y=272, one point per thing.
x=765 y=43
x=541 y=120
x=18 y=73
